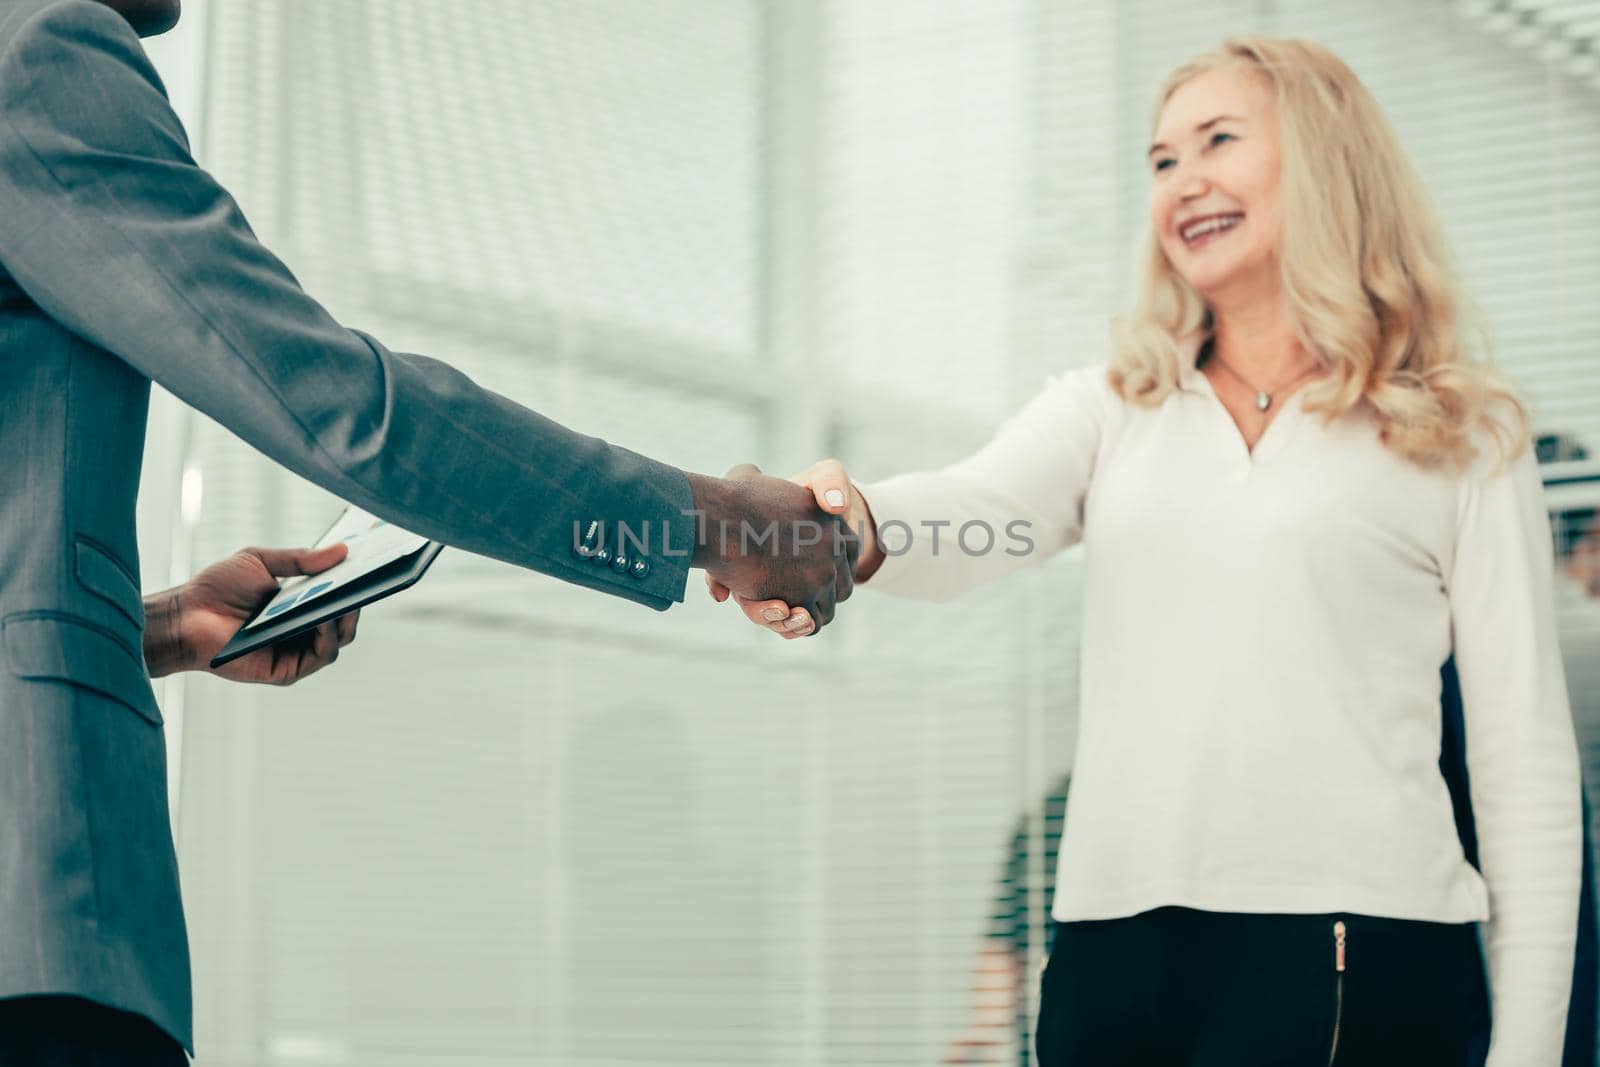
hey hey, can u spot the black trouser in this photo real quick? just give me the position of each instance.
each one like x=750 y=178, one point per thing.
x=1190 y=988
x=72 y=1032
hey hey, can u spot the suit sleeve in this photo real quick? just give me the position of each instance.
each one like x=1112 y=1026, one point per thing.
x=1017 y=500
x=110 y=227
x=1521 y=757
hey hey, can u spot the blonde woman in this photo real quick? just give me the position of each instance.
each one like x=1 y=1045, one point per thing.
x=1299 y=492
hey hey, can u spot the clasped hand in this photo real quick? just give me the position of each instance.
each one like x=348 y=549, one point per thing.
x=829 y=490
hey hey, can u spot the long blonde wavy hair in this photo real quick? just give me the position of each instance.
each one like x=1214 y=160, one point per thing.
x=1364 y=267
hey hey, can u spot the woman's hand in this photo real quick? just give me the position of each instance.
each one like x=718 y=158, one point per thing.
x=188 y=625
x=837 y=495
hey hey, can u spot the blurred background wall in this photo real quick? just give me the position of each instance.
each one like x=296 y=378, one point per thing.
x=519 y=823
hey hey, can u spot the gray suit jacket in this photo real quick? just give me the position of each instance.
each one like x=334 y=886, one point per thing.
x=122 y=262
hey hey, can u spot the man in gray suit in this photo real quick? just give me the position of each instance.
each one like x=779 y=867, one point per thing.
x=122 y=262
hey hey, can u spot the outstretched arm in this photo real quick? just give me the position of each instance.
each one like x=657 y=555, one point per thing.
x=111 y=228
x=935 y=534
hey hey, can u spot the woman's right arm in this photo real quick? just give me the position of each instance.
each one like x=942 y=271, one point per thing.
x=935 y=534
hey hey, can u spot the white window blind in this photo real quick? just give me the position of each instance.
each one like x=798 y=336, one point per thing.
x=519 y=822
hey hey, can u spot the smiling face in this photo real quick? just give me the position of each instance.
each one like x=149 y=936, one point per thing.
x=1214 y=201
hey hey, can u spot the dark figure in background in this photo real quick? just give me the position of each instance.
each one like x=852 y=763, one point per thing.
x=1020 y=914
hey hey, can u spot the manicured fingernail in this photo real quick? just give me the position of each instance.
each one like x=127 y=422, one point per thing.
x=835 y=497
x=772 y=614
x=798 y=622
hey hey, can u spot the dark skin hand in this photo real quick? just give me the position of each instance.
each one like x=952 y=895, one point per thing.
x=186 y=626
x=837 y=495
x=148 y=17
x=807 y=561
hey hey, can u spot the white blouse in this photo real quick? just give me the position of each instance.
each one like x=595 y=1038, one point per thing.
x=1262 y=638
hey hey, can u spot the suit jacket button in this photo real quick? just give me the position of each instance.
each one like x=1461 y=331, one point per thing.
x=640 y=569
x=602 y=555
x=620 y=563
x=590 y=541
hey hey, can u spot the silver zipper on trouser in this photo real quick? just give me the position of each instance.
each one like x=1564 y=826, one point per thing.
x=1338 y=988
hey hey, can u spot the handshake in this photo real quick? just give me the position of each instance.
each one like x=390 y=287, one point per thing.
x=787 y=552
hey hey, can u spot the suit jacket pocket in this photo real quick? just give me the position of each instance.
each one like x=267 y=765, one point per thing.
x=103 y=575
x=57 y=647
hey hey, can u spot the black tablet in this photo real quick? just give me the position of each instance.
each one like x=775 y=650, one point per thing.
x=383 y=559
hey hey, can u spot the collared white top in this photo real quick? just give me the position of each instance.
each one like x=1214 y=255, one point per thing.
x=1262 y=639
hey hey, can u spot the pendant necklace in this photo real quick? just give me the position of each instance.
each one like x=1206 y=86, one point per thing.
x=1263 y=397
